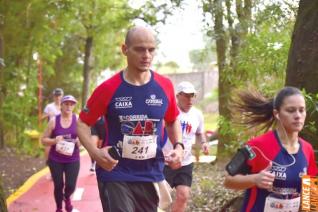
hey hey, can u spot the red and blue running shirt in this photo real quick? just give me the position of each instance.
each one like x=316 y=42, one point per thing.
x=133 y=111
x=287 y=178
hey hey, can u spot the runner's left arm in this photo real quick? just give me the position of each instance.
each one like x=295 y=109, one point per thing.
x=201 y=140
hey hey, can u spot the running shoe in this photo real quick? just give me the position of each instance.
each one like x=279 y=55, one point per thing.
x=68 y=205
x=92 y=169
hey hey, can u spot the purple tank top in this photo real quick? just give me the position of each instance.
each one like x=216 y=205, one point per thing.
x=69 y=134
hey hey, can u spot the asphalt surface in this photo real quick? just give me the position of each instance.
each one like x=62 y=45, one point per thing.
x=37 y=192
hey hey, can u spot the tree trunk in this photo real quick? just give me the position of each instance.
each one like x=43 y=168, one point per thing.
x=87 y=69
x=228 y=71
x=1 y=91
x=302 y=63
x=224 y=86
x=3 y=204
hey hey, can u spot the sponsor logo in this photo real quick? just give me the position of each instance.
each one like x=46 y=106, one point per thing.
x=123 y=102
x=153 y=101
x=140 y=117
x=123 y=98
x=67 y=136
x=134 y=142
x=309 y=193
x=279 y=172
x=186 y=127
x=147 y=127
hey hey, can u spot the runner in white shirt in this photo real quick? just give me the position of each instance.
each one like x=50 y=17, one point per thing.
x=54 y=108
x=192 y=125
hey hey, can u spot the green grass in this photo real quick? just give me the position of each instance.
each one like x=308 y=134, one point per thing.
x=213 y=150
x=211 y=121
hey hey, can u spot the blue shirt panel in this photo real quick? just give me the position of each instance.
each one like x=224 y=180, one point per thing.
x=136 y=110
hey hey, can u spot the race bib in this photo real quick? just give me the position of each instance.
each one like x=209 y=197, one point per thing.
x=139 y=147
x=65 y=147
x=273 y=204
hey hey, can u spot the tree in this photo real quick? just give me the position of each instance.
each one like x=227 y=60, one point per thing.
x=22 y=26
x=99 y=20
x=229 y=38
x=172 y=64
x=101 y=26
x=251 y=40
x=302 y=63
x=67 y=36
x=1 y=85
x=202 y=59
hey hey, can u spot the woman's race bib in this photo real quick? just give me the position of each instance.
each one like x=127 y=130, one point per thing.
x=273 y=204
x=139 y=147
x=65 y=147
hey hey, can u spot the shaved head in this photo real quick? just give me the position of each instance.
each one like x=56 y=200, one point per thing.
x=139 y=49
x=138 y=31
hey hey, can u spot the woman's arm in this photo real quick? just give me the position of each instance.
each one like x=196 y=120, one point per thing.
x=264 y=179
x=46 y=140
x=240 y=182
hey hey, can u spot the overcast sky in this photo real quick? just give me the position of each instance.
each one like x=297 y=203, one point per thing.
x=181 y=34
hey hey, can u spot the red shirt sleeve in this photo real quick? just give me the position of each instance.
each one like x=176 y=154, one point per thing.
x=266 y=148
x=97 y=104
x=312 y=167
x=310 y=155
x=172 y=110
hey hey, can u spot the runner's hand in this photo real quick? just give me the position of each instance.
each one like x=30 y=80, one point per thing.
x=104 y=160
x=205 y=148
x=174 y=158
x=78 y=143
x=264 y=179
x=58 y=138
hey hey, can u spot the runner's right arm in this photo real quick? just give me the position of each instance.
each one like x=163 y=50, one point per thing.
x=264 y=179
x=46 y=139
x=101 y=156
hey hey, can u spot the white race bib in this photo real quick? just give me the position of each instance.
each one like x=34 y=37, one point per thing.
x=65 y=147
x=139 y=147
x=273 y=204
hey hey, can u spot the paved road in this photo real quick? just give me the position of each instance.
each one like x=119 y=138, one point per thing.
x=36 y=195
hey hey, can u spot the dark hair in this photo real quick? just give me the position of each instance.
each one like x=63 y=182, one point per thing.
x=257 y=110
x=58 y=92
x=282 y=94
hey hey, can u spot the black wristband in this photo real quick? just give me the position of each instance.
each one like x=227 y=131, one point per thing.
x=176 y=143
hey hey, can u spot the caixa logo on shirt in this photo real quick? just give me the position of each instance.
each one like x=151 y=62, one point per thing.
x=123 y=102
x=279 y=172
x=153 y=101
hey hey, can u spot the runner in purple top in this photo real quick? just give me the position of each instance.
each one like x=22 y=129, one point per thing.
x=134 y=102
x=64 y=163
x=51 y=110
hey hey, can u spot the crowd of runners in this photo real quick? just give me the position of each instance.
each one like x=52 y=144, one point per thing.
x=139 y=130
